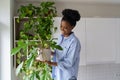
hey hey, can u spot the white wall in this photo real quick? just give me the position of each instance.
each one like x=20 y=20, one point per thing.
x=80 y=32
x=5 y=24
x=0 y=51
x=100 y=39
x=118 y=41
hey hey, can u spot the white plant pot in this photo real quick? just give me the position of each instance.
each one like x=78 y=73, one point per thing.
x=44 y=55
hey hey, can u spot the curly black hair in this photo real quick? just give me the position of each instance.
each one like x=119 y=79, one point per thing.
x=71 y=16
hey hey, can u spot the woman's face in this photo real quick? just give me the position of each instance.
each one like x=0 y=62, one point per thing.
x=65 y=28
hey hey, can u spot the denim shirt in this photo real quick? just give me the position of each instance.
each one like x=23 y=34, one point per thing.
x=67 y=59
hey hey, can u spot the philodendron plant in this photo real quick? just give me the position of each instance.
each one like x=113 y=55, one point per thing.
x=35 y=34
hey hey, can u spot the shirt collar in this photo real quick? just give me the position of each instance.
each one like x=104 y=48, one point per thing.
x=69 y=37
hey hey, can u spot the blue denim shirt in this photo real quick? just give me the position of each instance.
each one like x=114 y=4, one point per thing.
x=67 y=59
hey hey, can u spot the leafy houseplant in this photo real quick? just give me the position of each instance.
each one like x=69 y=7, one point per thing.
x=36 y=34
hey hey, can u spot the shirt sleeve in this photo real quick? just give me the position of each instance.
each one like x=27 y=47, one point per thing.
x=71 y=56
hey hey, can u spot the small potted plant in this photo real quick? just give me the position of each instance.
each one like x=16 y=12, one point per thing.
x=35 y=41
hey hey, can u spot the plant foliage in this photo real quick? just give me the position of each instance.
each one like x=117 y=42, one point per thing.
x=37 y=32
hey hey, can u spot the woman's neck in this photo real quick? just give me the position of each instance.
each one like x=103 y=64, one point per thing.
x=68 y=34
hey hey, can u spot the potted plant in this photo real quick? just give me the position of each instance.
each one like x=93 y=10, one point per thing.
x=34 y=38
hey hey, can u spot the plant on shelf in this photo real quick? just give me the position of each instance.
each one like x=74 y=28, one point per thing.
x=34 y=37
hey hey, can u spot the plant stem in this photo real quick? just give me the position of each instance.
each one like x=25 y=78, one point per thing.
x=27 y=48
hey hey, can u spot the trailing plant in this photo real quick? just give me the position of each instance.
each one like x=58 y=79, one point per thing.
x=36 y=33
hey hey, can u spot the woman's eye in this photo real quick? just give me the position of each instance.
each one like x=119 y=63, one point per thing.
x=65 y=27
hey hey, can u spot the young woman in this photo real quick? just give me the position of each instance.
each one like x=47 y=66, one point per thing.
x=66 y=62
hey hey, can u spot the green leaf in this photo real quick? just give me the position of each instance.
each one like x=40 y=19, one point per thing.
x=30 y=61
x=15 y=50
x=19 y=68
x=33 y=76
x=49 y=76
x=18 y=20
x=58 y=47
x=19 y=55
x=18 y=61
x=22 y=44
x=37 y=75
x=43 y=75
x=25 y=77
